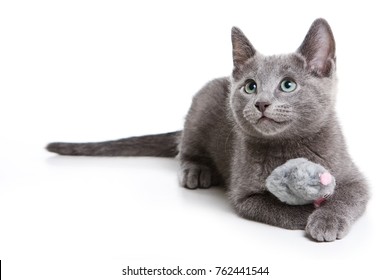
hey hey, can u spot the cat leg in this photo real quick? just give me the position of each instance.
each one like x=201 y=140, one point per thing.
x=333 y=220
x=194 y=175
x=266 y=208
x=198 y=172
x=197 y=169
x=252 y=200
x=329 y=222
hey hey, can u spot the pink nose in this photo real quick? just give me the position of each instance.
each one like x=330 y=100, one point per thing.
x=325 y=178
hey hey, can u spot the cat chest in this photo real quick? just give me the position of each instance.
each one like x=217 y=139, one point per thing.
x=252 y=171
x=265 y=164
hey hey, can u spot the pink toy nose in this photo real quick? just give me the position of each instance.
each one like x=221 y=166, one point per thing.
x=325 y=178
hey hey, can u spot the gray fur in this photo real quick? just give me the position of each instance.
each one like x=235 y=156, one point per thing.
x=159 y=145
x=298 y=182
x=227 y=141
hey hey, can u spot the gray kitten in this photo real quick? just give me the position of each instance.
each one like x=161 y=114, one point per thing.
x=240 y=128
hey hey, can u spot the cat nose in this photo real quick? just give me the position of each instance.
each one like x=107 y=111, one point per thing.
x=261 y=106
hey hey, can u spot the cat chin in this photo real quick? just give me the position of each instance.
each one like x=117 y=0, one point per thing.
x=269 y=127
x=266 y=128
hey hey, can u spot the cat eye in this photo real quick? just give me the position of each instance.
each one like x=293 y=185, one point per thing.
x=288 y=85
x=250 y=87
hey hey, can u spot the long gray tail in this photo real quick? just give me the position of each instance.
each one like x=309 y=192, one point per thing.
x=158 y=145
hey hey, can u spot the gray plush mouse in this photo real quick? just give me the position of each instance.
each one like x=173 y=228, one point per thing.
x=300 y=181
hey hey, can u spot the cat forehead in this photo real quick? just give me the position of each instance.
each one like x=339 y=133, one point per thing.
x=279 y=63
x=274 y=65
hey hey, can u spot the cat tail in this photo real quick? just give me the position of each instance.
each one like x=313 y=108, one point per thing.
x=157 y=145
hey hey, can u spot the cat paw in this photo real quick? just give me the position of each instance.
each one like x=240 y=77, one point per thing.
x=324 y=225
x=195 y=176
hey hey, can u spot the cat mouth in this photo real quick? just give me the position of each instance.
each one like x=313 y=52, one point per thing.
x=264 y=119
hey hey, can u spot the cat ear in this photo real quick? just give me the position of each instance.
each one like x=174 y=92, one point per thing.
x=319 y=48
x=242 y=48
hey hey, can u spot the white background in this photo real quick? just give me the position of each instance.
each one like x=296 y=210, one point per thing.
x=99 y=70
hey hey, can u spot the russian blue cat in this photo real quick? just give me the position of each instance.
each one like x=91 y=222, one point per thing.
x=240 y=128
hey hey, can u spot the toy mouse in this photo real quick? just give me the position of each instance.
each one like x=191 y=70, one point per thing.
x=300 y=181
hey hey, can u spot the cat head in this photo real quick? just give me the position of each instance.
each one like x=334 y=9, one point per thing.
x=284 y=96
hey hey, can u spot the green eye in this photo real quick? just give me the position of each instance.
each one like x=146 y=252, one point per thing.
x=288 y=85
x=250 y=87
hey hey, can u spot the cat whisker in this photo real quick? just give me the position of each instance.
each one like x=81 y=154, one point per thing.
x=251 y=115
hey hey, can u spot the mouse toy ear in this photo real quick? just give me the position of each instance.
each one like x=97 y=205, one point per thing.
x=319 y=48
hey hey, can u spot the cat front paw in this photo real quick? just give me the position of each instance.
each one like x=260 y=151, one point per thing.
x=324 y=225
x=195 y=176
